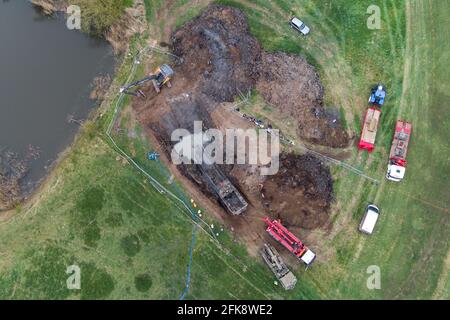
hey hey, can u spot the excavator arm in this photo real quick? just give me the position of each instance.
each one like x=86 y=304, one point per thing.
x=160 y=77
x=125 y=89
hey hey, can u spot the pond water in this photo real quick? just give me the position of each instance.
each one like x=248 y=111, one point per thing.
x=46 y=74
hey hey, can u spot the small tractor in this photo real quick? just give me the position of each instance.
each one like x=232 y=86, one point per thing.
x=377 y=96
x=159 y=78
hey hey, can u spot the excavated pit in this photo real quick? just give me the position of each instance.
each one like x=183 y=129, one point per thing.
x=220 y=59
x=300 y=193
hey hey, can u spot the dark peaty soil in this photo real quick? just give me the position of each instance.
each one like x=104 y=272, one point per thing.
x=301 y=193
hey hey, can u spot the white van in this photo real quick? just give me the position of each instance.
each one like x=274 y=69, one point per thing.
x=298 y=24
x=370 y=219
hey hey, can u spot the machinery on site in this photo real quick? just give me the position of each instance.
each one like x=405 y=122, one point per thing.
x=159 y=78
x=378 y=95
x=228 y=195
x=369 y=130
x=273 y=259
x=399 y=149
x=289 y=241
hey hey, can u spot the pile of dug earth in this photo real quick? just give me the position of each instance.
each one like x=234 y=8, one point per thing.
x=220 y=59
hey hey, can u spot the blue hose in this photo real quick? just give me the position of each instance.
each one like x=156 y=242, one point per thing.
x=194 y=233
x=188 y=275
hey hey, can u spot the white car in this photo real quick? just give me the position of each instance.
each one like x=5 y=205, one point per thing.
x=370 y=219
x=299 y=26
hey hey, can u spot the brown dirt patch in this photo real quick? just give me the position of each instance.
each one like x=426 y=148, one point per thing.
x=301 y=192
x=219 y=59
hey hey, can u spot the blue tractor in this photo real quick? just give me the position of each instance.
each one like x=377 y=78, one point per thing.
x=378 y=95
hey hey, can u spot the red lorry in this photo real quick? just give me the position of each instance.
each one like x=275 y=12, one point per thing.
x=399 y=149
x=289 y=241
x=369 y=130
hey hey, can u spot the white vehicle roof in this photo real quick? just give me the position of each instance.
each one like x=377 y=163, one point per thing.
x=308 y=257
x=297 y=21
x=370 y=219
x=302 y=27
x=396 y=173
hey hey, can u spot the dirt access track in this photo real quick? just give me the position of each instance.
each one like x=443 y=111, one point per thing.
x=220 y=59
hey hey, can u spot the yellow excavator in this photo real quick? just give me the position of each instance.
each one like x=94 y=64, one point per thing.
x=162 y=76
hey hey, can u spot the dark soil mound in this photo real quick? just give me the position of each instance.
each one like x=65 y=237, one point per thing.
x=293 y=86
x=219 y=52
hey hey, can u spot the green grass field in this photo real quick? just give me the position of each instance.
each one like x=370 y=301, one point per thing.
x=130 y=241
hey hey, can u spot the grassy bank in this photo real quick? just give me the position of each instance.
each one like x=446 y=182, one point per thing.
x=98 y=16
x=99 y=212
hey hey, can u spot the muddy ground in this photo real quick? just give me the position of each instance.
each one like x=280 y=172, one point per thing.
x=220 y=59
x=300 y=193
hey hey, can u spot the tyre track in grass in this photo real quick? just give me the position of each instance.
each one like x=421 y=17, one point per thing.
x=416 y=81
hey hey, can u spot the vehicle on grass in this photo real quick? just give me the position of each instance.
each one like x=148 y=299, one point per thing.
x=369 y=219
x=369 y=130
x=399 y=149
x=273 y=259
x=300 y=26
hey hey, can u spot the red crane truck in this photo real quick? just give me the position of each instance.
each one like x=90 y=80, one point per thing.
x=289 y=241
x=399 y=149
x=369 y=130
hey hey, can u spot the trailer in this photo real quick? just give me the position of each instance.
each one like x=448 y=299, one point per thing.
x=369 y=130
x=273 y=259
x=399 y=149
x=289 y=241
